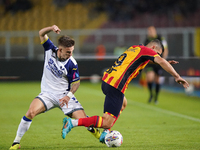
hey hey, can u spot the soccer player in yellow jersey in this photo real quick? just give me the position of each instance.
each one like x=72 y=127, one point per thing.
x=115 y=82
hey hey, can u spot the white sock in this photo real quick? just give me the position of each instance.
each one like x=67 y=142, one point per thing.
x=22 y=128
x=17 y=139
x=74 y=122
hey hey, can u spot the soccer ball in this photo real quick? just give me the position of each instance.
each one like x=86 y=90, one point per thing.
x=113 y=139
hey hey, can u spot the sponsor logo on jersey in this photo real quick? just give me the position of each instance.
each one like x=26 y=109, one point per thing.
x=52 y=67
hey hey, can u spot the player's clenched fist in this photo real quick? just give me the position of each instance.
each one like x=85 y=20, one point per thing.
x=56 y=29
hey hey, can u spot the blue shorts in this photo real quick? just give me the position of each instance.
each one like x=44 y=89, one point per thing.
x=113 y=100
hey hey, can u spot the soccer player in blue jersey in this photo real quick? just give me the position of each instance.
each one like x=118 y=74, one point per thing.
x=115 y=82
x=60 y=80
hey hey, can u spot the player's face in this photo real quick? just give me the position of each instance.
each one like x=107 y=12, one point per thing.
x=65 y=52
x=159 y=52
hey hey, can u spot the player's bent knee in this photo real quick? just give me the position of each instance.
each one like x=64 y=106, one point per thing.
x=30 y=114
x=35 y=108
x=107 y=121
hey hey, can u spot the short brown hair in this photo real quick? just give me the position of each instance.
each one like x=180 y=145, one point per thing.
x=66 y=41
x=159 y=43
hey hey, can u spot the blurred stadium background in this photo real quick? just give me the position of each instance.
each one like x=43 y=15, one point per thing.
x=110 y=23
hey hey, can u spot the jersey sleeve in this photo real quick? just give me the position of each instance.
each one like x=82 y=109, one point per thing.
x=148 y=53
x=48 y=44
x=73 y=73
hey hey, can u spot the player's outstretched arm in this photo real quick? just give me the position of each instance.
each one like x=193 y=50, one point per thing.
x=43 y=32
x=169 y=61
x=167 y=67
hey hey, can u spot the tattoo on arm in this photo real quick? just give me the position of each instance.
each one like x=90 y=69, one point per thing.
x=74 y=87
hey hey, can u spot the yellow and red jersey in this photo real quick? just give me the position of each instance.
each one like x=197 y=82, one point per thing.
x=128 y=66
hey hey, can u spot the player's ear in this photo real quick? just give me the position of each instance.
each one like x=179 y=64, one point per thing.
x=153 y=47
x=60 y=49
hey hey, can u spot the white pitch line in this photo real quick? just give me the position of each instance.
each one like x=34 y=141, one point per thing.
x=98 y=93
x=165 y=111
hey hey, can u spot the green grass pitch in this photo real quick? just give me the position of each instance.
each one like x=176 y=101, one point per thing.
x=173 y=124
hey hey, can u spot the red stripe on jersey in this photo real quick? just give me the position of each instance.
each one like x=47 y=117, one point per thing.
x=105 y=76
x=109 y=80
x=118 y=82
x=131 y=76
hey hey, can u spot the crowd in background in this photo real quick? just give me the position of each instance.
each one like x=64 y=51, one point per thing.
x=127 y=10
x=120 y=10
x=14 y=6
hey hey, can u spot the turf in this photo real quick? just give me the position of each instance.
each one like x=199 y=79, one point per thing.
x=173 y=124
